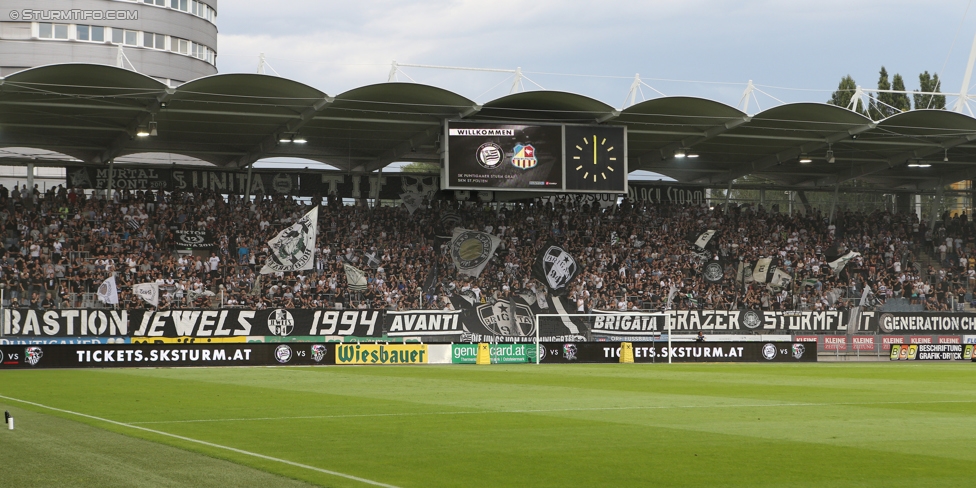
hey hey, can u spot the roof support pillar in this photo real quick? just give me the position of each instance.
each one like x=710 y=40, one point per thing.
x=30 y=178
x=247 y=191
x=833 y=203
x=936 y=205
x=728 y=197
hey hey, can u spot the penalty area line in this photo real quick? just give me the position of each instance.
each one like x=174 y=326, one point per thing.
x=205 y=443
x=552 y=410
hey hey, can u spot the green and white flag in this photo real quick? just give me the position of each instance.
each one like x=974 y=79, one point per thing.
x=293 y=249
x=838 y=265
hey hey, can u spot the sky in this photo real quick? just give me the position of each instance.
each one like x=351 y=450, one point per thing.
x=793 y=51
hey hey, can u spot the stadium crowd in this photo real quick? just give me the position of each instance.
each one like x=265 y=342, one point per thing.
x=61 y=244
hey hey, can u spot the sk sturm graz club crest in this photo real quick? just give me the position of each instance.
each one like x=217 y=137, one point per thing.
x=524 y=156
x=283 y=353
x=714 y=272
x=490 y=155
x=769 y=351
x=293 y=249
x=555 y=268
x=751 y=319
x=281 y=323
x=318 y=353
x=471 y=250
x=33 y=355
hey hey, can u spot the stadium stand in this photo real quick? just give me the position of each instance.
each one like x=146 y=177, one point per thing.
x=59 y=245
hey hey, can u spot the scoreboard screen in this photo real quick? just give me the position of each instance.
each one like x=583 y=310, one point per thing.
x=535 y=157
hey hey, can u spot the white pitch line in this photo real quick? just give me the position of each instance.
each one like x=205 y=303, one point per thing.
x=205 y=443
x=553 y=410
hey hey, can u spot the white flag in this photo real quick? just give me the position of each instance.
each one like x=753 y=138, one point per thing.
x=704 y=238
x=412 y=201
x=762 y=269
x=470 y=250
x=293 y=249
x=355 y=277
x=108 y=292
x=148 y=292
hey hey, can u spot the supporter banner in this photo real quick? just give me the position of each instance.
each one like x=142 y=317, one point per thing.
x=191 y=323
x=928 y=352
x=280 y=322
x=422 y=323
x=194 y=239
x=738 y=321
x=648 y=352
x=164 y=355
x=386 y=187
x=230 y=182
x=18 y=341
x=499 y=353
x=381 y=354
x=604 y=323
x=934 y=322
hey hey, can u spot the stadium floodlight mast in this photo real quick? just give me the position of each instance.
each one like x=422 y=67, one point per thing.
x=565 y=322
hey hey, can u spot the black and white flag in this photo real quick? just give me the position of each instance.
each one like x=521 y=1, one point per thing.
x=412 y=201
x=714 y=271
x=108 y=292
x=470 y=250
x=293 y=249
x=701 y=241
x=555 y=267
x=355 y=277
x=762 y=269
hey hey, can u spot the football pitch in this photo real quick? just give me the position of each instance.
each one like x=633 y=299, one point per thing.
x=827 y=424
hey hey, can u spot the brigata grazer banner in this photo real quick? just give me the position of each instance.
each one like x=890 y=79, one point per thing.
x=165 y=355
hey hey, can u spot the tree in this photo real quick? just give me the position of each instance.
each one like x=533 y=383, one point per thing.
x=899 y=101
x=929 y=83
x=425 y=168
x=879 y=105
x=845 y=91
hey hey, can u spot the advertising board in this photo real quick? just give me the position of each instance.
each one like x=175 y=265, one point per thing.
x=927 y=352
x=381 y=354
x=164 y=355
x=499 y=353
x=652 y=352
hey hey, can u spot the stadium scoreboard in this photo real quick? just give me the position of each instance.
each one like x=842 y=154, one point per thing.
x=535 y=157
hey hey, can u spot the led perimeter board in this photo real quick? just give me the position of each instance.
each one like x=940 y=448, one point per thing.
x=535 y=157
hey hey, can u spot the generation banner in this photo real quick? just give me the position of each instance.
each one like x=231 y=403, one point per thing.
x=164 y=355
x=651 y=352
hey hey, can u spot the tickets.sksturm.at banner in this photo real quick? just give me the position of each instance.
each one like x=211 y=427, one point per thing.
x=651 y=352
x=165 y=355
x=191 y=323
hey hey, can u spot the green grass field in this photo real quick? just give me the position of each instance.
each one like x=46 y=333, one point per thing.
x=866 y=424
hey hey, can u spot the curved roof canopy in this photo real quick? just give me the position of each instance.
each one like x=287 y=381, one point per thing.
x=93 y=113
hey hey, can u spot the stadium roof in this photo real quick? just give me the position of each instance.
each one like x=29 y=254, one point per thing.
x=92 y=113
